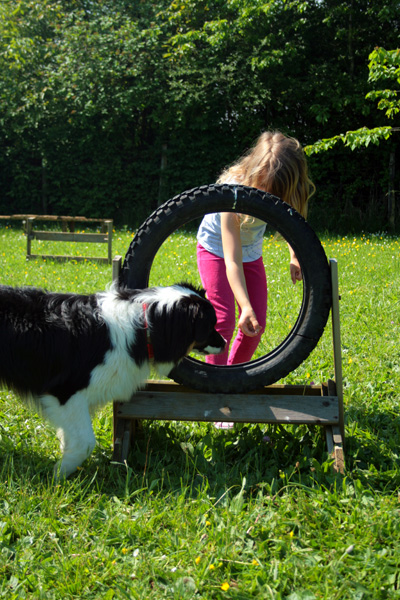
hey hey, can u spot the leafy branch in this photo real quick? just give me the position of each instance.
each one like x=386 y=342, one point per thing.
x=383 y=65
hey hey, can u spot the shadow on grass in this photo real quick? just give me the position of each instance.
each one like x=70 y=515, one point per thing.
x=168 y=457
x=24 y=463
x=373 y=446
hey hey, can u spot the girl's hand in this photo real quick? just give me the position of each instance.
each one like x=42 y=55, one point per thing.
x=295 y=270
x=248 y=323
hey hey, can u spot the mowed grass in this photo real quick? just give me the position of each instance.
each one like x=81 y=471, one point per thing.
x=256 y=512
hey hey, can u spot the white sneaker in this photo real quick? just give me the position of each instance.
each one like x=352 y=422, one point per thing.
x=223 y=425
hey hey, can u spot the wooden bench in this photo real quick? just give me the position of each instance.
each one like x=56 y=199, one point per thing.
x=67 y=235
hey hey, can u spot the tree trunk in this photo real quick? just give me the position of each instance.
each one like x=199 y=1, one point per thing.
x=163 y=166
x=391 y=192
x=44 y=186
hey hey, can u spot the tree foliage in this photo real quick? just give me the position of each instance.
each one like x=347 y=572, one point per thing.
x=384 y=66
x=109 y=107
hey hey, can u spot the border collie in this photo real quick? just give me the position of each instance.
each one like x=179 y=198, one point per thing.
x=70 y=354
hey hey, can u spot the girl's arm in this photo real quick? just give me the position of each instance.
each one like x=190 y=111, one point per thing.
x=295 y=269
x=232 y=248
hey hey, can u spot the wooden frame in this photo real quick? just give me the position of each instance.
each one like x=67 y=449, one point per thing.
x=69 y=236
x=314 y=405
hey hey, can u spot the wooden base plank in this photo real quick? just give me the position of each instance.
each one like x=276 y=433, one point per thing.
x=238 y=408
x=64 y=258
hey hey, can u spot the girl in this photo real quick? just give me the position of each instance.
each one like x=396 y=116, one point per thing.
x=229 y=249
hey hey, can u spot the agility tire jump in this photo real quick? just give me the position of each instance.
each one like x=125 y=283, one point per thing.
x=317 y=292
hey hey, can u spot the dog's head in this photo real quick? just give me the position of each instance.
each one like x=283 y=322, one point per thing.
x=182 y=320
x=201 y=317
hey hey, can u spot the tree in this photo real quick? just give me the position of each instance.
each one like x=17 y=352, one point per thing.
x=384 y=67
x=108 y=108
x=74 y=74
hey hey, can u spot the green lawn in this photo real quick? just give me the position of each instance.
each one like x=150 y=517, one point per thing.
x=255 y=512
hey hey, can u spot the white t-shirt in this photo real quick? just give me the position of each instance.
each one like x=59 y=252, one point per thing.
x=251 y=235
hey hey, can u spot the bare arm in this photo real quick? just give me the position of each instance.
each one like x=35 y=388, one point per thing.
x=232 y=248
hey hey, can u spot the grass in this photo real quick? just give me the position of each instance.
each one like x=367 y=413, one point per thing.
x=198 y=513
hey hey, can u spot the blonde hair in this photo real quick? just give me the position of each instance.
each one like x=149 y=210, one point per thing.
x=275 y=164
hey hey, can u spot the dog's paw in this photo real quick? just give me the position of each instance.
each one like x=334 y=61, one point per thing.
x=62 y=471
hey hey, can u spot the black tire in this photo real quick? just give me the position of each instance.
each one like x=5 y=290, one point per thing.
x=317 y=293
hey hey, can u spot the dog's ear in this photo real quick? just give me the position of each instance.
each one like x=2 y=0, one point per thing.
x=202 y=319
x=173 y=332
x=199 y=291
x=170 y=331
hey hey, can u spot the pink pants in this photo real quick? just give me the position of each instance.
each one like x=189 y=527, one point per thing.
x=214 y=280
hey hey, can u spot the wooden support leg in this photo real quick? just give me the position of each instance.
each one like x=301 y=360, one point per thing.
x=116 y=267
x=124 y=430
x=28 y=237
x=337 y=385
x=119 y=426
x=334 y=437
x=109 y=240
x=335 y=447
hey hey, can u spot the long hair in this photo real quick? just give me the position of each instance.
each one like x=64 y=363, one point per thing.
x=275 y=164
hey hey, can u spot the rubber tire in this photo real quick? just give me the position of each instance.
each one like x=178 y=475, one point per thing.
x=317 y=292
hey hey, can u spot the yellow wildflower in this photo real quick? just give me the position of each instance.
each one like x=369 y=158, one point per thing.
x=225 y=586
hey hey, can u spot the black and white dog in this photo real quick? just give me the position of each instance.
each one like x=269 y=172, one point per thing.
x=71 y=354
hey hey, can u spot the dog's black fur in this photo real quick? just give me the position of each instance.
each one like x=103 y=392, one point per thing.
x=71 y=353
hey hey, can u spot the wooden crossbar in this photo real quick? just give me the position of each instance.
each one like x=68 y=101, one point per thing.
x=166 y=402
x=69 y=236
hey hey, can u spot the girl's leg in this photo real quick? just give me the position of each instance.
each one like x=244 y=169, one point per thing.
x=213 y=278
x=244 y=346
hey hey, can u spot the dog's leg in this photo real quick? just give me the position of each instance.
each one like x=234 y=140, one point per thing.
x=74 y=430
